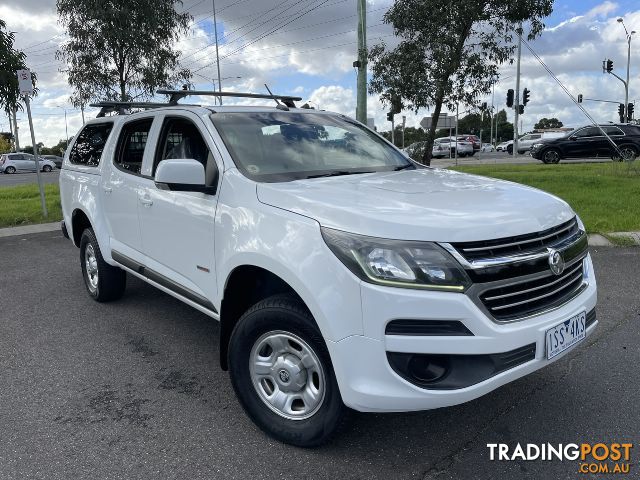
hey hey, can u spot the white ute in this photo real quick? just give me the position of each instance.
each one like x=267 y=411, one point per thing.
x=344 y=275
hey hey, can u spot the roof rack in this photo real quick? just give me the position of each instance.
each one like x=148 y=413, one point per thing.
x=109 y=106
x=179 y=94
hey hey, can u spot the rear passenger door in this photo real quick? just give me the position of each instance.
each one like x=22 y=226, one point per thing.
x=123 y=185
x=177 y=227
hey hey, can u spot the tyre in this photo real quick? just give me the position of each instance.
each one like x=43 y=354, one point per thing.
x=629 y=153
x=46 y=168
x=10 y=170
x=295 y=403
x=551 y=156
x=510 y=149
x=472 y=153
x=103 y=282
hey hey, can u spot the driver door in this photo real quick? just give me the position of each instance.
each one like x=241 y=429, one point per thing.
x=177 y=227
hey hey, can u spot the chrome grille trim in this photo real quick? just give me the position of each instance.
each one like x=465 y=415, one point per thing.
x=574 y=280
x=523 y=242
x=506 y=295
x=539 y=297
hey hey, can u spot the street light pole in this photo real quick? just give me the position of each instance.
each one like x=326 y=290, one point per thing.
x=215 y=32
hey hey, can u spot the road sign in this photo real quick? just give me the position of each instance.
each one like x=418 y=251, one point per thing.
x=24 y=82
x=444 y=121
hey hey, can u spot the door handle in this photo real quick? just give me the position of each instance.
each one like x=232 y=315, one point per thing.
x=145 y=200
x=107 y=190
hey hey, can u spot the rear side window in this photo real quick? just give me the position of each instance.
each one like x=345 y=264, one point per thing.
x=133 y=140
x=89 y=145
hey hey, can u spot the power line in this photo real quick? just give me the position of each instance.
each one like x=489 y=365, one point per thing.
x=282 y=24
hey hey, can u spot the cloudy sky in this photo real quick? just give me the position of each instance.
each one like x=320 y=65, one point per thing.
x=313 y=55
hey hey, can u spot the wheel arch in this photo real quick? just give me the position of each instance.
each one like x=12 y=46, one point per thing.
x=79 y=222
x=245 y=286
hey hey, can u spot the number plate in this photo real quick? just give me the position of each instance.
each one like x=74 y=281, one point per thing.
x=566 y=335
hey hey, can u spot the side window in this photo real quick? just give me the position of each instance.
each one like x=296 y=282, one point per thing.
x=131 y=145
x=613 y=131
x=181 y=139
x=88 y=148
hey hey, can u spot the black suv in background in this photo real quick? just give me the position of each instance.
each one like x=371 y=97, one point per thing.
x=589 y=142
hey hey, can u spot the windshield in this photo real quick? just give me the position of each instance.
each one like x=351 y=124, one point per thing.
x=283 y=146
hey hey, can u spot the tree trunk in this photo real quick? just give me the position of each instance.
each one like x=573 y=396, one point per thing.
x=431 y=133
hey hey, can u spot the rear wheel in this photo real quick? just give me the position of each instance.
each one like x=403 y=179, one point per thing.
x=551 y=156
x=103 y=281
x=629 y=153
x=10 y=170
x=510 y=149
x=46 y=168
x=282 y=374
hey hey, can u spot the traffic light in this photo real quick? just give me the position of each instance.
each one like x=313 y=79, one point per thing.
x=621 y=112
x=520 y=109
x=609 y=66
x=396 y=104
x=390 y=117
x=510 y=97
x=525 y=96
x=629 y=111
x=579 y=98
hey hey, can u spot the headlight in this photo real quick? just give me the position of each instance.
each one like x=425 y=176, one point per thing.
x=536 y=145
x=580 y=224
x=397 y=263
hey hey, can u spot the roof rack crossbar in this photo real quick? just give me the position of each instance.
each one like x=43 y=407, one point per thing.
x=176 y=95
x=108 y=106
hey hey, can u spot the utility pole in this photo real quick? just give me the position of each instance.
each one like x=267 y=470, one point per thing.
x=82 y=112
x=516 y=105
x=404 y=122
x=361 y=63
x=493 y=95
x=15 y=130
x=215 y=32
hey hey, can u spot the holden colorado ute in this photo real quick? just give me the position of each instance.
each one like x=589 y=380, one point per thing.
x=343 y=274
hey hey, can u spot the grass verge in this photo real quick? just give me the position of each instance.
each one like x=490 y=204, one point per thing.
x=20 y=205
x=605 y=195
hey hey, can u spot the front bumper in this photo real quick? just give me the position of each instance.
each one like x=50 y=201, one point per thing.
x=369 y=383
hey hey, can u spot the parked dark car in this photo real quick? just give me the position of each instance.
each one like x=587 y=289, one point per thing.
x=588 y=142
x=55 y=159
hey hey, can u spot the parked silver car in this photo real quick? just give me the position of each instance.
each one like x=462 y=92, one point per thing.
x=23 y=162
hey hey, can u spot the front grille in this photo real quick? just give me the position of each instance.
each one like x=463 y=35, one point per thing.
x=521 y=298
x=504 y=247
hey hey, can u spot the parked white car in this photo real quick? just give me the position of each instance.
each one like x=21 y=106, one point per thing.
x=23 y=162
x=505 y=146
x=464 y=148
x=342 y=273
x=526 y=141
x=487 y=147
x=416 y=150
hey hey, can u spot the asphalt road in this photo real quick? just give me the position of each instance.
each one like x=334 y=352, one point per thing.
x=23 y=178
x=132 y=389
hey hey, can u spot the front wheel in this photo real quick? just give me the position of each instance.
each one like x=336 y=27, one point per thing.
x=46 y=168
x=510 y=149
x=551 y=156
x=282 y=374
x=103 y=281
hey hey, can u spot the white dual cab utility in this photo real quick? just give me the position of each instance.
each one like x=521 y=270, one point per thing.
x=344 y=275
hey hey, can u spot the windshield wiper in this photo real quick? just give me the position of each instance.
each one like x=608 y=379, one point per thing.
x=336 y=173
x=403 y=167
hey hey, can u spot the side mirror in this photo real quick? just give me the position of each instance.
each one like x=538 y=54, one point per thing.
x=182 y=175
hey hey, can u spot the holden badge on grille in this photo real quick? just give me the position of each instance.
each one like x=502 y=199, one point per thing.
x=556 y=262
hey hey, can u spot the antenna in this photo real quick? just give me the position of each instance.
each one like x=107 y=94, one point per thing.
x=279 y=105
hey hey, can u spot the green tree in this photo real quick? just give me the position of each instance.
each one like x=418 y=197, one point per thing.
x=11 y=60
x=119 y=49
x=5 y=145
x=449 y=52
x=411 y=135
x=545 y=122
